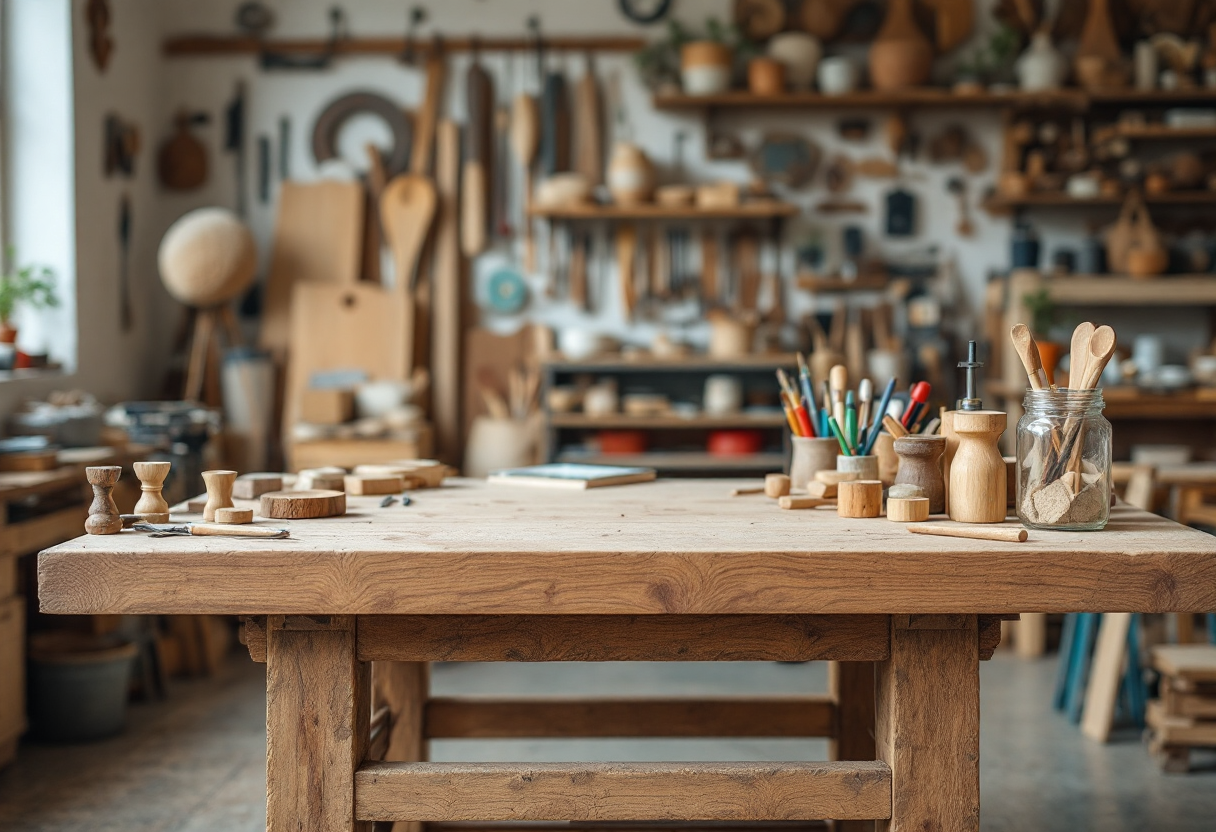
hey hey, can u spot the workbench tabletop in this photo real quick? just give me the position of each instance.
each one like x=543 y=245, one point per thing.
x=671 y=546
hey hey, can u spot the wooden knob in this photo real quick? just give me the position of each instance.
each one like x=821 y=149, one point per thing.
x=219 y=492
x=907 y=509
x=860 y=498
x=234 y=516
x=776 y=485
x=103 y=513
x=152 y=503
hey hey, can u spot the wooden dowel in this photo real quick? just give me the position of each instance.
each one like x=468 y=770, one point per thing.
x=792 y=502
x=893 y=426
x=741 y=492
x=1007 y=534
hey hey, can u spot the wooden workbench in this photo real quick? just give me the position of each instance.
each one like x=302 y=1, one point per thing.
x=671 y=570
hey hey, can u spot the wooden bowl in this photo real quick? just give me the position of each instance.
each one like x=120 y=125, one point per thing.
x=1147 y=262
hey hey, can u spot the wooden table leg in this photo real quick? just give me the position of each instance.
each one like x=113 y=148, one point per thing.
x=403 y=687
x=928 y=724
x=318 y=702
x=851 y=687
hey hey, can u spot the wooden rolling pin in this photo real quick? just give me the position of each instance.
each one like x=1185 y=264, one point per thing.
x=1006 y=534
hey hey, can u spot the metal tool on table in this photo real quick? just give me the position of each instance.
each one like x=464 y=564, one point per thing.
x=210 y=530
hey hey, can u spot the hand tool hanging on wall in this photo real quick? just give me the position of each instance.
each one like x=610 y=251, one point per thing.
x=589 y=126
x=477 y=175
x=626 y=252
x=124 y=263
x=525 y=140
x=182 y=162
x=337 y=32
x=423 y=147
x=234 y=142
x=500 y=191
x=121 y=146
x=554 y=113
x=264 y=169
x=284 y=148
x=101 y=45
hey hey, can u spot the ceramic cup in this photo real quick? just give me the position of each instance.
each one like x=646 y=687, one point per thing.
x=837 y=75
x=808 y=455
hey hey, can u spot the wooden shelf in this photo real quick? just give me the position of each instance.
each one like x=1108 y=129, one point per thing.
x=757 y=210
x=668 y=422
x=1129 y=402
x=203 y=45
x=863 y=283
x=644 y=363
x=1118 y=290
x=682 y=461
x=1161 y=132
x=1075 y=99
x=1058 y=199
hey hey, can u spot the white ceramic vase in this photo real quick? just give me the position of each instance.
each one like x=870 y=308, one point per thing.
x=1040 y=67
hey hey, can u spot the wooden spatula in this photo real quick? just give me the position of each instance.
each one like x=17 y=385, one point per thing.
x=407 y=208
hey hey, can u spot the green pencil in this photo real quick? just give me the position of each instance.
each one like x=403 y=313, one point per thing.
x=844 y=445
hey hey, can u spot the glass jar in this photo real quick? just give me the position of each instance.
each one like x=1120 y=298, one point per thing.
x=1064 y=461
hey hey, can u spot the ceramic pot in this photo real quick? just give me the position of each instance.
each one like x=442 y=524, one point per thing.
x=799 y=53
x=8 y=333
x=705 y=67
x=808 y=455
x=630 y=175
x=499 y=443
x=900 y=56
x=1041 y=67
x=730 y=337
x=723 y=395
x=765 y=76
x=865 y=467
x=837 y=75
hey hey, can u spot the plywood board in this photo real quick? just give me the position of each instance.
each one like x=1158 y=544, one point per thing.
x=318 y=237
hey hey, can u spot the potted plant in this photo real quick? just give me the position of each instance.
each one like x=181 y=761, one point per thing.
x=1044 y=315
x=702 y=63
x=31 y=286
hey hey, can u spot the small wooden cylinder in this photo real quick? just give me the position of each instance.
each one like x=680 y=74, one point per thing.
x=234 y=516
x=776 y=485
x=219 y=492
x=908 y=509
x=920 y=464
x=860 y=498
x=865 y=467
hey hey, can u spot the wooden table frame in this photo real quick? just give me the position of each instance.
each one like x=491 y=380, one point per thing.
x=327 y=741
x=668 y=571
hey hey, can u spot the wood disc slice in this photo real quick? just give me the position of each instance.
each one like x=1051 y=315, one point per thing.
x=302 y=505
x=233 y=516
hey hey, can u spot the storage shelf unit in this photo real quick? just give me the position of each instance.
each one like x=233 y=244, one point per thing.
x=676 y=444
x=756 y=210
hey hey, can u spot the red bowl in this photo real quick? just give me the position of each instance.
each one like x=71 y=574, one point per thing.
x=622 y=441
x=735 y=442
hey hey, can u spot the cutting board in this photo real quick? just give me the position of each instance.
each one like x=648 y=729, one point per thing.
x=318 y=237
x=333 y=327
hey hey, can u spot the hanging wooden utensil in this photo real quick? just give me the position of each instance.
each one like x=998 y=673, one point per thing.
x=589 y=127
x=554 y=117
x=626 y=252
x=407 y=209
x=422 y=147
x=478 y=144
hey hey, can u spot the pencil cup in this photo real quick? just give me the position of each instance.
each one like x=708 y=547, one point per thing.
x=810 y=454
x=865 y=467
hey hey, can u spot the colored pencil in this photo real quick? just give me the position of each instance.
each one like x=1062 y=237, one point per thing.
x=872 y=435
x=850 y=419
x=844 y=445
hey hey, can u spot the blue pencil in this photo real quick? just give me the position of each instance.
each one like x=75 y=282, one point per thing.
x=872 y=434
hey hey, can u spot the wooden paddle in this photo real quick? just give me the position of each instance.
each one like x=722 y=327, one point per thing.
x=478 y=140
x=407 y=208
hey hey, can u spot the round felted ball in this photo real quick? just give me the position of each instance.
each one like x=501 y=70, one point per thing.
x=207 y=257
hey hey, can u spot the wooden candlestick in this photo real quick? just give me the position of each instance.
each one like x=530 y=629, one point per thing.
x=920 y=464
x=907 y=509
x=860 y=498
x=103 y=513
x=152 y=503
x=776 y=485
x=219 y=492
x=977 y=473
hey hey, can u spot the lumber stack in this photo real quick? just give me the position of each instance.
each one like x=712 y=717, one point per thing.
x=1184 y=717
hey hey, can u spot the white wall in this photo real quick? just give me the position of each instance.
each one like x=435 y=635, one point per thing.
x=63 y=211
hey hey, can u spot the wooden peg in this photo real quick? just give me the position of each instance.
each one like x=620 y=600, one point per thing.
x=743 y=492
x=977 y=472
x=791 y=502
x=103 y=513
x=152 y=503
x=860 y=498
x=219 y=492
x=821 y=490
x=252 y=486
x=907 y=509
x=372 y=485
x=233 y=516
x=920 y=464
x=776 y=485
x=1007 y=534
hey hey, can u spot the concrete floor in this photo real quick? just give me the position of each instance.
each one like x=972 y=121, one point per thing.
x=196 y=762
